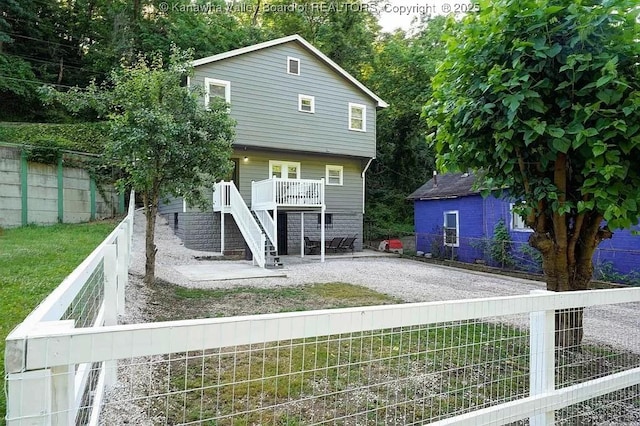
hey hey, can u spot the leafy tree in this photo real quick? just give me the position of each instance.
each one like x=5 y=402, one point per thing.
x=400 y=72
x=544 y=97
x=161 y=135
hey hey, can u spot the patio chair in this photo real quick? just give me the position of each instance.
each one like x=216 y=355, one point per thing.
x=347 y=244
x=311 y=246
x=334 y=244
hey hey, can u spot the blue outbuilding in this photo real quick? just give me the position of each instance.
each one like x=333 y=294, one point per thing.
x=453 y=221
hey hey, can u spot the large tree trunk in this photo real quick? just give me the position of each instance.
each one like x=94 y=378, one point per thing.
x=568 y=266
x=150 y=211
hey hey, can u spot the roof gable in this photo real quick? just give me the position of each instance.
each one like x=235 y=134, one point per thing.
x=449 y=185
x=304 y=44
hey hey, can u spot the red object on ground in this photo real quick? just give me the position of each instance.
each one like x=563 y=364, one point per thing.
x=394 y=245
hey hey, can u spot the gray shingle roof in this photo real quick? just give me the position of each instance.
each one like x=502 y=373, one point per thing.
x=450 y=185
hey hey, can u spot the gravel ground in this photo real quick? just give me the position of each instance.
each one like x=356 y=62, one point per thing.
x=618 y=326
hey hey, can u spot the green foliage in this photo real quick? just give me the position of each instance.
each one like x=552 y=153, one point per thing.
x=605 y=271
x=400 y=72
x=162 y=136
x=82 y=137
x=526 y=83
x=501 y=245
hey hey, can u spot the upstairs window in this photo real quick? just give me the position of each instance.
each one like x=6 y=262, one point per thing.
x=357 y=117
x=293 y=66
x=451 y=229
x=216 y=89
x=306 y=104
x=334 y=175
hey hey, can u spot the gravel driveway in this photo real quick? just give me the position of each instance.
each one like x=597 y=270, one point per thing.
x=408 y=280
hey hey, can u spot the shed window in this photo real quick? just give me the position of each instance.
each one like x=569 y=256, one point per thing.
x=517 y=223
x=451 y=229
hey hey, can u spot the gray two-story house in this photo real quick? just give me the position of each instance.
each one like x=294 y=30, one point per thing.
x=305 y=136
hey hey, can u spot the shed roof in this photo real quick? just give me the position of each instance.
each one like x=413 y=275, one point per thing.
x=449 y=185
x=306 y=45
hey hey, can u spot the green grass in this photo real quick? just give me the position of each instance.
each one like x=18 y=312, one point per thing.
x=33 y=261
x=437 y=370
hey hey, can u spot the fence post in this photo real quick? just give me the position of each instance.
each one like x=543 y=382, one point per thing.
x=542 y=359
x=24 y=187
x=110 y=303
x=29 y=397
x=123 y=263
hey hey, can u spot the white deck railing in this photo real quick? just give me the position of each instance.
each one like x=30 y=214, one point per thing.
x=92 y=296
x=227 y=199
x=277 y=192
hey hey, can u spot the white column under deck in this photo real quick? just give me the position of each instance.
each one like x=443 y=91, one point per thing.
x=322 y=235
x=222 y=231
x=301 y=234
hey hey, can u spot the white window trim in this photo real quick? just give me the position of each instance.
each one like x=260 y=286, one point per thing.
x=444 y=226
x=302 y=97
x=364 y=117
x=283 y=164
x=334 y=167
x=512 y=221
x=289 y=59
x=227 y=89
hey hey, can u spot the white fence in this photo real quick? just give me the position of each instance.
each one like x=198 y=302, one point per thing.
x=92 y=296
x=468 y=362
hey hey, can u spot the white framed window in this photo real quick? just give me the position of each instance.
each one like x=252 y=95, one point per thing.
x=517 y=223
x=357 y=117
x=214 y=88
x=293 y=65
x=334 y=175
x=284 y=169
x=451 y=229
x=306 y=103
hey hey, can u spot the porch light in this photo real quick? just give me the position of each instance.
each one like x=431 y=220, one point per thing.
x=246 y=158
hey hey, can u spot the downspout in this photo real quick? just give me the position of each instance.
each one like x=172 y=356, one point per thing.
x=363 y=181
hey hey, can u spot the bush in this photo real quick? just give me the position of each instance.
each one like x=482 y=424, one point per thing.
x=83 y=137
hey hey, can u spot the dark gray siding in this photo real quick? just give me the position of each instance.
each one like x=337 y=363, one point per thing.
x=264 y=101
x=343 y=225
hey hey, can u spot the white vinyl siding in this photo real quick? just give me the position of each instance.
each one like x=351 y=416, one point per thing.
x=306 y=103
x=334 y=175
x=357 y=117
x=216 y=88
x=451 y=229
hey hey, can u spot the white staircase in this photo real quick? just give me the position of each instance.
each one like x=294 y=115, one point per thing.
x=260 y=237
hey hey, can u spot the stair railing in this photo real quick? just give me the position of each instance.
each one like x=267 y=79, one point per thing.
x=248 y=226
x=268 y=224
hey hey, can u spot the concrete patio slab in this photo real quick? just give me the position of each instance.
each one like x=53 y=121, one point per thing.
x=220 y=271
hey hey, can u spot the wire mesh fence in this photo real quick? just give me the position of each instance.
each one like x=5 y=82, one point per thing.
x=611 y=265
x=405 y=375
x=401 y=375
x=85 y=307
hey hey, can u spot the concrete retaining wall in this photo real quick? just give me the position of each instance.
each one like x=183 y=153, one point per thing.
x=35 y=193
